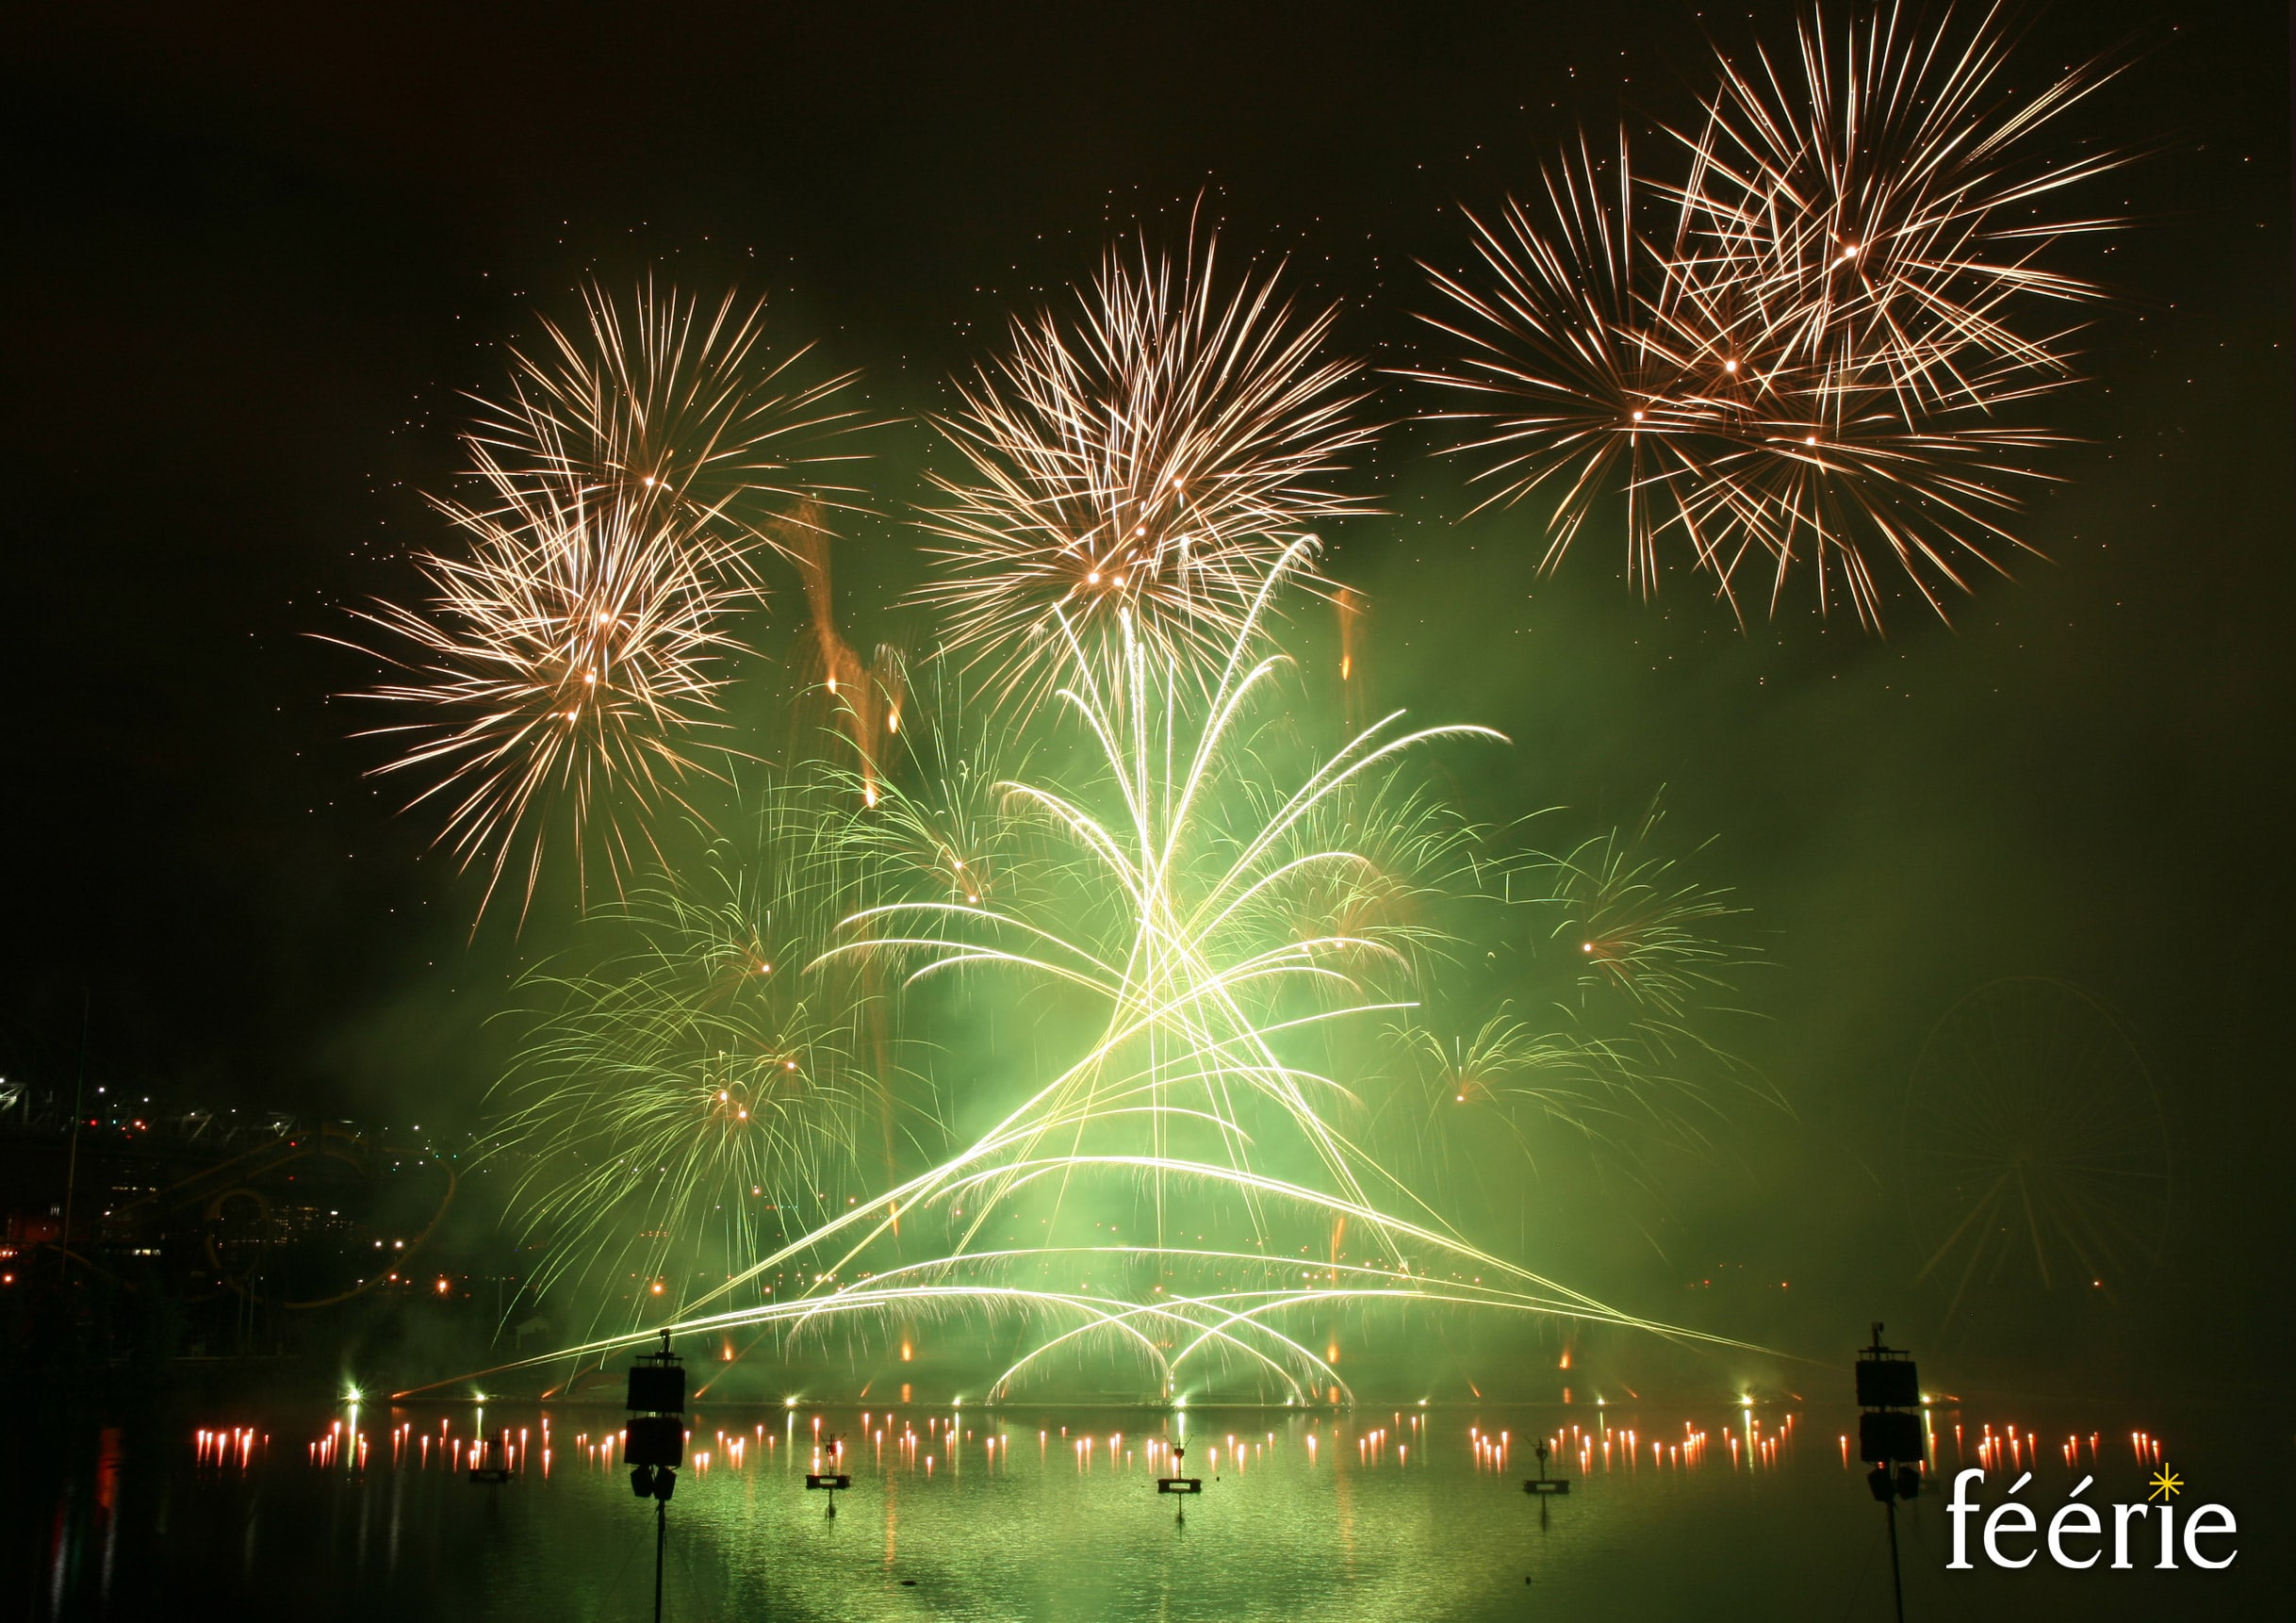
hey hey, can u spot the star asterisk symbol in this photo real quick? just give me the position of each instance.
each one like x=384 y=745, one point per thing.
x=2166 y=1485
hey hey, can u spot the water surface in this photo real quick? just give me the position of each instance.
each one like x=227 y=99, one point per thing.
x=967 y=1514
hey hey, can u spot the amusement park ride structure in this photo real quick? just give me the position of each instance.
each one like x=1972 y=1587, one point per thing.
x=285 y=1220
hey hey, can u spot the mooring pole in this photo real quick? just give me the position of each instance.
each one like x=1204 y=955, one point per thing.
x=1891 y=1433
x=1897 y=1583
x=662 y=1536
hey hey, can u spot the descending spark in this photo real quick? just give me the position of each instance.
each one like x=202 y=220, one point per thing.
x=841 y=694
x=1810 y=348
x=571 y=654
x=1148 y=460
x=1348 y=606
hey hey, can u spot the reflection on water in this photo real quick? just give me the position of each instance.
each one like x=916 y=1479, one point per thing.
x=374 y=1512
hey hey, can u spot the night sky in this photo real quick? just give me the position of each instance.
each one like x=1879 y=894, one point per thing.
x=254 y=252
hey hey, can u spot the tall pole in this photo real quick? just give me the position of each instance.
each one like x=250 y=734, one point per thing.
x=662 y=1535
x=1897 y=1583
x=1889 y=1435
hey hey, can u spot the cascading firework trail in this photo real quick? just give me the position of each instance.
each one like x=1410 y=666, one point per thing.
x=1218 y=922
x=569 y=663
x=1813 y=347
x=1149 y=458
x=702 y=1096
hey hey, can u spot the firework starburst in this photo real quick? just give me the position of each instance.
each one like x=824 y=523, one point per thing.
x=1811 y=347
x=567 y=660
x=676 y=412
x=1151 y=456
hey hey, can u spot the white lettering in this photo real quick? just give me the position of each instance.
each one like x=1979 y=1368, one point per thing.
x=2121 y=1515
x=2077 y=1520
x=2090 y=1528
x=2209 y=1518
x=1961 y=1508
x=1993 y=1529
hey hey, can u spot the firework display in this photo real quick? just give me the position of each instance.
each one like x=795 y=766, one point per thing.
x=1083 y=974
x=1116 y=816
x=1810 y=343
x=1607 y=973
x=1215 y=917
x=701 y=1094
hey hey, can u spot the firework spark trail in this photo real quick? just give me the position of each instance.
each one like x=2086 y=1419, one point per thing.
x=1214 y=1317
x=1589 y=1023
x=861 y=702
x=569 y=661
x=684 y=1096
x=1877 y=202
x=1180 y=976
x=562 y=655
x=1807 y=349
x=1631 y=922
x=1187 y=1086
x=1150 y=459
x=677 y=411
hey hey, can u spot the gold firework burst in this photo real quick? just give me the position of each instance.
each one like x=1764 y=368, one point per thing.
x=566 y=661
x=1808 y=351
x=1154 y=456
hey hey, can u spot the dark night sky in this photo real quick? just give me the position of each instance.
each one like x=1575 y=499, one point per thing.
x=252 y=252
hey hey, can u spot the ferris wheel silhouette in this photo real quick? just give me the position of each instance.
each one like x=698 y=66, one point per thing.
x=2035 y=1145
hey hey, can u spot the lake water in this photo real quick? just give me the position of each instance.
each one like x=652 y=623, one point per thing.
x=1420 y=1514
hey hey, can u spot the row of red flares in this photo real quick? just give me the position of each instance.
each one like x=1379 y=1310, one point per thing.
x=235 y=1447
x=337 y=1446
x=1623 y=1449
x=1761 y=1448
x=505 y=1449
x=2016 y=1448
x=940 y=1440
x=1373 y=1444
x=2021 y=1449
x=1929 y=1444
x=944 y=1441
x=1155 y=1454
